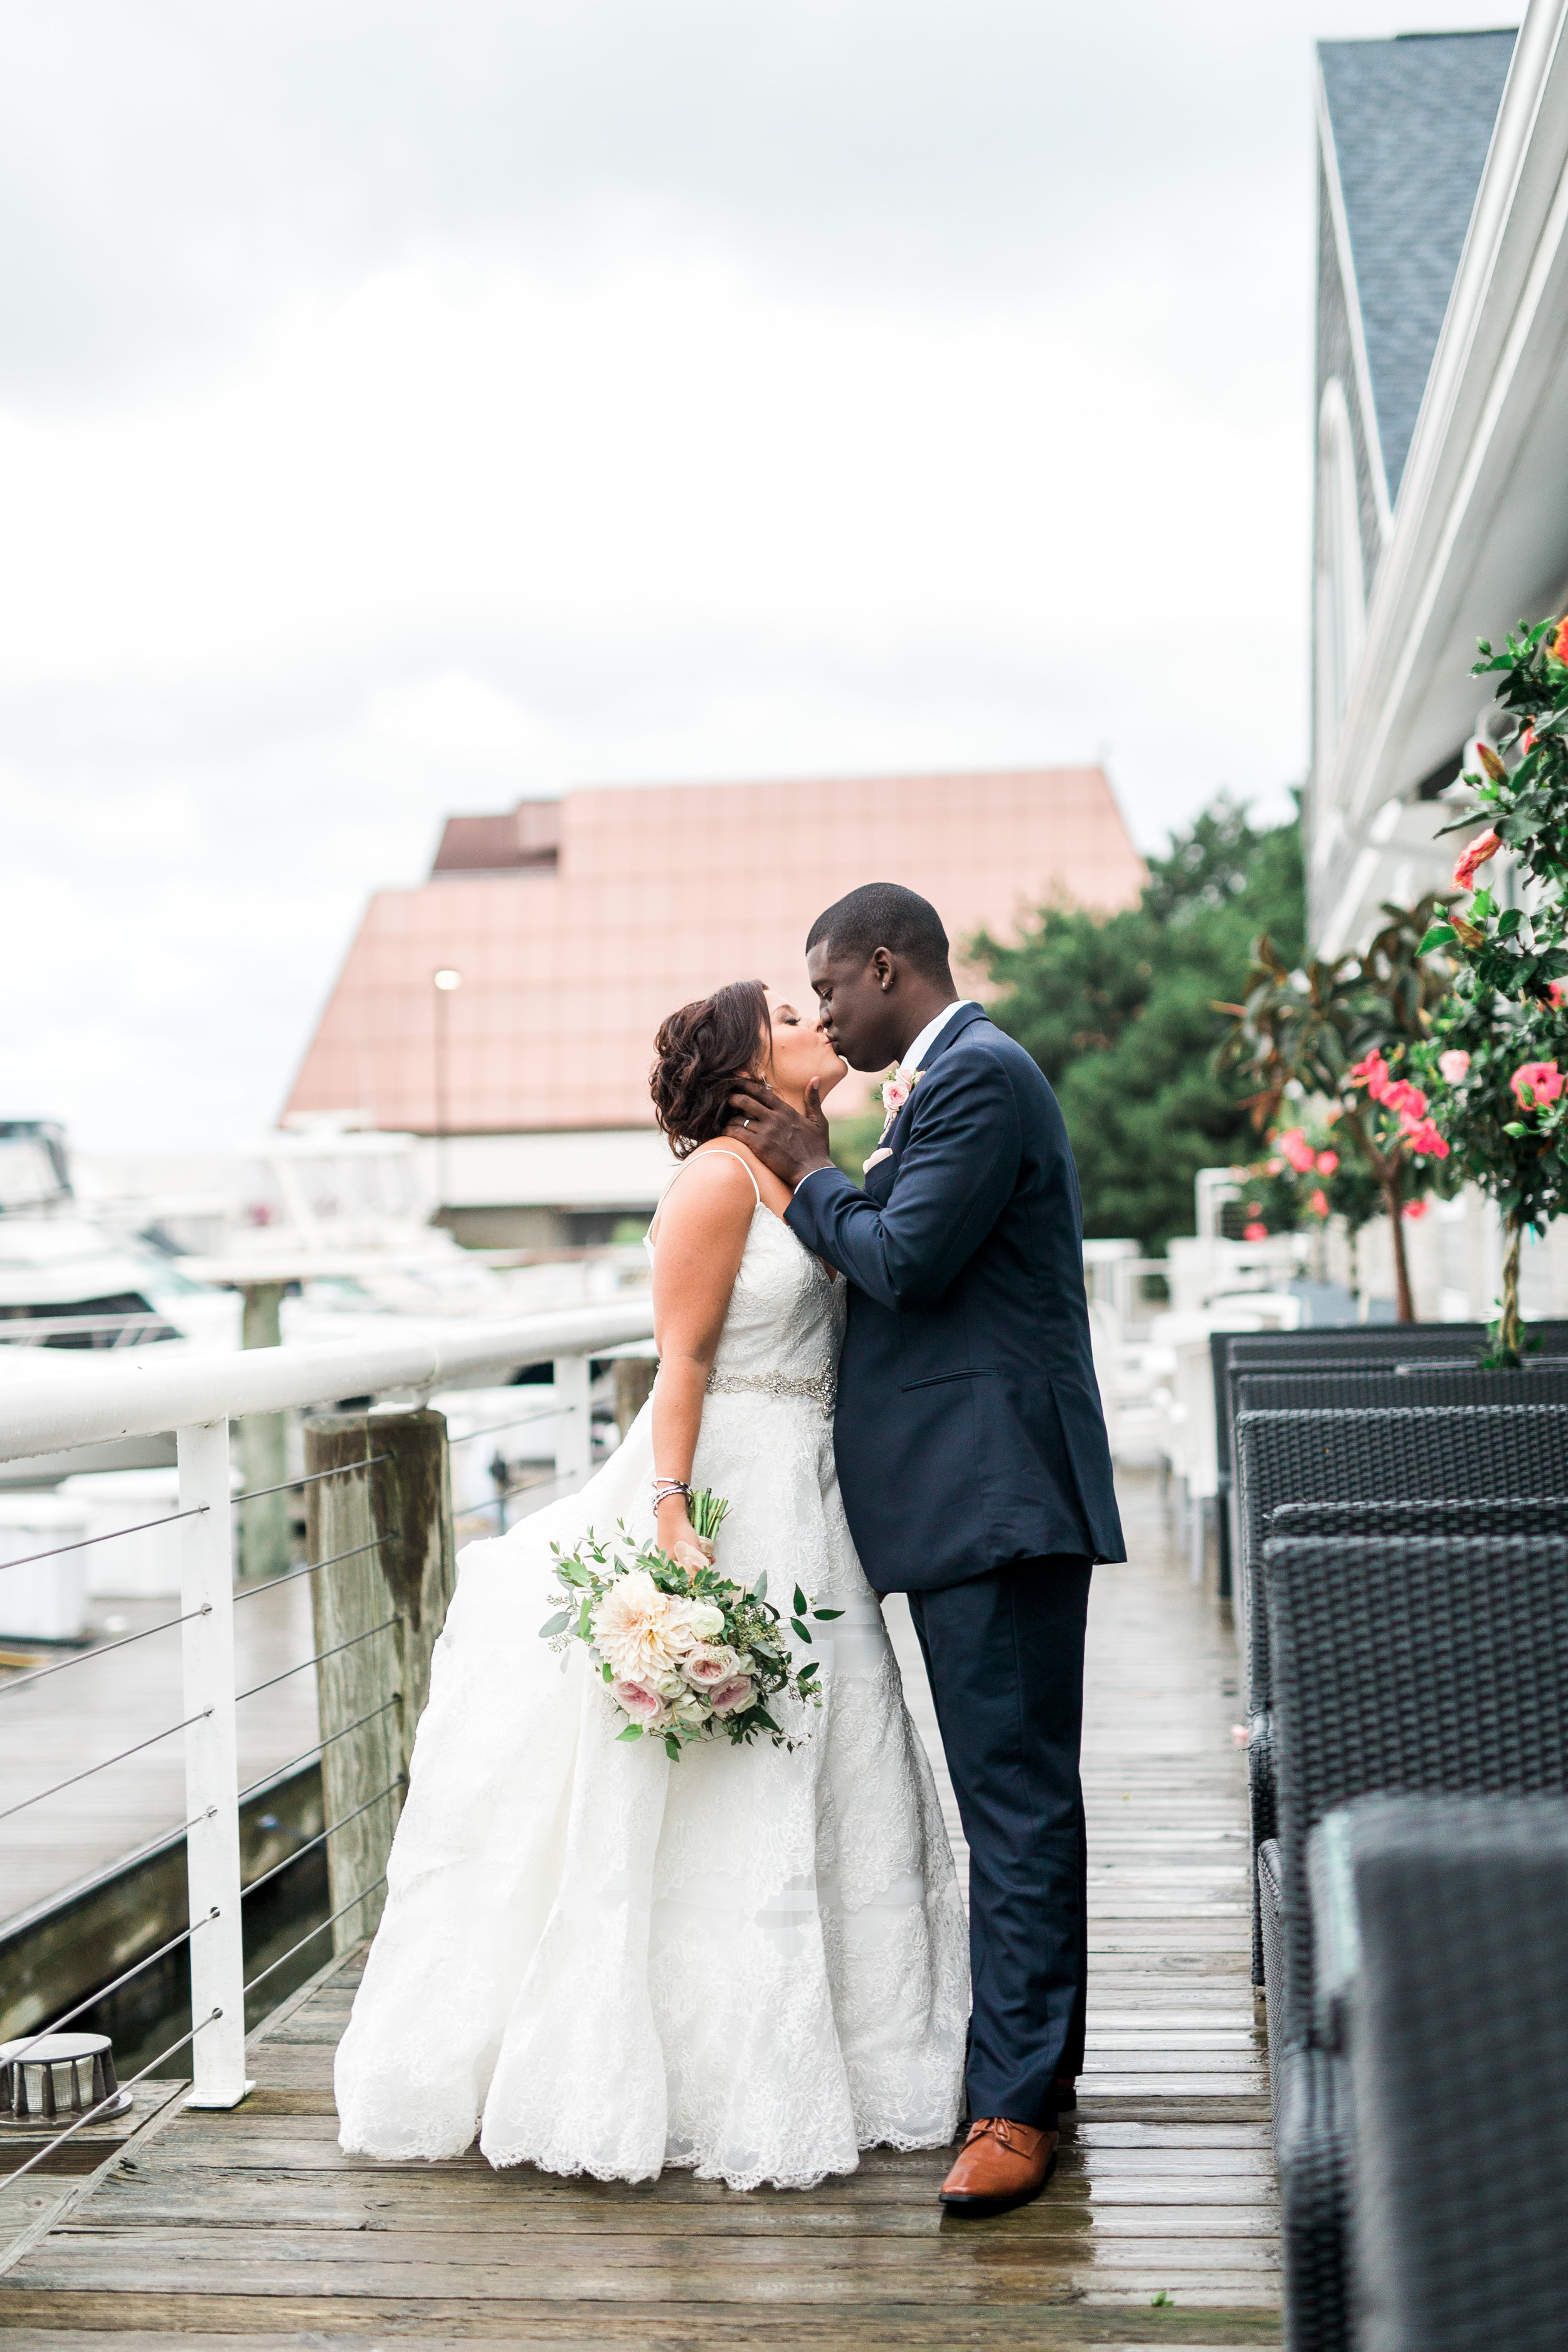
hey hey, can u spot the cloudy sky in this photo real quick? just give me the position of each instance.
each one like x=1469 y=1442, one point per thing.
x=404 y=407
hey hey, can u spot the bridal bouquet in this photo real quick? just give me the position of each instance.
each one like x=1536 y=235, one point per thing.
x=685 y=1653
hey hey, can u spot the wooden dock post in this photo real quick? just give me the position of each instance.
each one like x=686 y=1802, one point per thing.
x=395 y=1520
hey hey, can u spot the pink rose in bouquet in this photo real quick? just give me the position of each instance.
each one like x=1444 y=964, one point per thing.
x=731 y=1696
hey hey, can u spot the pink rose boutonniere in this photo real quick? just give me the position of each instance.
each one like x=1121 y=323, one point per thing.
x=896 y=1087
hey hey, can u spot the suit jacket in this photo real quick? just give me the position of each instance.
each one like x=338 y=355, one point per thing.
x=968 y=1430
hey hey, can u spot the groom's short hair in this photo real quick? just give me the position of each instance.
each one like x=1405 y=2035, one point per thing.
x=884 y=915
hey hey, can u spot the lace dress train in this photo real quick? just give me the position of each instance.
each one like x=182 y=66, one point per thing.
x=752 y=1962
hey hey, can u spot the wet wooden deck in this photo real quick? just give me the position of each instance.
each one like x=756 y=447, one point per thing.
x=253 y=2226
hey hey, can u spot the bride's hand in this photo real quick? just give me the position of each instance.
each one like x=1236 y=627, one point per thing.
x=679 y=1538
x=693 y=1552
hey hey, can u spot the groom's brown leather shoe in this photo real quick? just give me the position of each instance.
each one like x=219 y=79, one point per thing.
x=1001 y=2163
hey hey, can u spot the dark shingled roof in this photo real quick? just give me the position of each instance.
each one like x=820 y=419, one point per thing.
x=1412 y=120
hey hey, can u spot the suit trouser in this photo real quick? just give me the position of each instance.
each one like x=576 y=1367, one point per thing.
x=1004 y=1655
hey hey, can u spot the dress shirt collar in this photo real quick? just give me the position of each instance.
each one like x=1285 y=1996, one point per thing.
x=915 y=1059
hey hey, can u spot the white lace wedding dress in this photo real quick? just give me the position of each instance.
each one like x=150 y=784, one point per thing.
x=750 y=1962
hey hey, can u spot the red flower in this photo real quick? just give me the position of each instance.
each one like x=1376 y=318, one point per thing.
x=1372 y=1074
x=1425 y=1139
x=1536 y=1083
x=1559 y=642
x=1475 y=853
x=1327 y=1162
x=1413 y=1209
x=1295 y=1148
x=1319 y=1204
x=1255 y=1233
x=1407 y=1100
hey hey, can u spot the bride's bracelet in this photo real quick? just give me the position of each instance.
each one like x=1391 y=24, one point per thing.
x=663 y=1488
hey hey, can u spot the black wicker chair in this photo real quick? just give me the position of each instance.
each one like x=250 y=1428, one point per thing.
x=1415 y=1664
x=1441 y=2083
x=1347 y=1454
x=1358 y=1347
x=1492 y=1515
x=1544 y=1382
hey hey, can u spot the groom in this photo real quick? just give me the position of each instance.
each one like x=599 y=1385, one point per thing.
x=973 y=1465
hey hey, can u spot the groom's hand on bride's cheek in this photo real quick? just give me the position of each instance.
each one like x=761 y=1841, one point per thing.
x=781 y=1139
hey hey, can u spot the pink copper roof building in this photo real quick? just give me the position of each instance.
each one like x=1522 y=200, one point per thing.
x=577 y=924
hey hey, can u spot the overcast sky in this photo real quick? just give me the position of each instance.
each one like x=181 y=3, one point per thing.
x=405 y=407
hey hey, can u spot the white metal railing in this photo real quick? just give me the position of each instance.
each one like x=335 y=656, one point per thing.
x=89 y=1402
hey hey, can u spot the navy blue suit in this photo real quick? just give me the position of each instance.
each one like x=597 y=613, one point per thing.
x=976 y=1477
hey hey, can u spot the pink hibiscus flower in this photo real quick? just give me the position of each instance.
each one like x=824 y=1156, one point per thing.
x=1475 y=853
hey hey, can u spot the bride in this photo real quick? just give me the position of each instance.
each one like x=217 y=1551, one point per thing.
x=751 y=1961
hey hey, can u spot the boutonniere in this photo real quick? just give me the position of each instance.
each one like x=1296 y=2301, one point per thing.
x=896 y=1087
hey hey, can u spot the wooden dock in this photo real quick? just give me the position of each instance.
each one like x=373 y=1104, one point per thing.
x=1158 y=2228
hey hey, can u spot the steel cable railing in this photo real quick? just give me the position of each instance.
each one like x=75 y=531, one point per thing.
x=198 y=1401
x=252 y=1495
x=521 y=1421
x=166 y=1625
x=320 y=1839
x=291 y=1575
x=279 y=1771
x=103 y=1649
x=311 y=1478
x=330 y=1921
x=168 y=1733
x=354 y=1640
x=113 y=1536
x=16 y=2052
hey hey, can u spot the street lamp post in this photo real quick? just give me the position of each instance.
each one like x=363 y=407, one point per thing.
x=444 y=981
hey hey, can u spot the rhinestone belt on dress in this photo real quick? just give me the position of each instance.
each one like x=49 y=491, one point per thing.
x=821 y=1389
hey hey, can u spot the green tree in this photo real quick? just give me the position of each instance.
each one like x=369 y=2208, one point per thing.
x=1119 y=1012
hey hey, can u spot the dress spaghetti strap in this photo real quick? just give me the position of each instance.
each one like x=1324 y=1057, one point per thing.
x=720 y=1154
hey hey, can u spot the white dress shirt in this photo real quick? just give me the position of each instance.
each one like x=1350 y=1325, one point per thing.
x=920 y=1047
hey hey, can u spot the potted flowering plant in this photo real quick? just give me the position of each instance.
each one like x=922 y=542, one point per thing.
x=1343 y=1033
x=1495 y=1058
x=1306 y=1181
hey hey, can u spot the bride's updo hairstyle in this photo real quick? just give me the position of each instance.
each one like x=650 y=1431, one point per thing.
x=701 y=1051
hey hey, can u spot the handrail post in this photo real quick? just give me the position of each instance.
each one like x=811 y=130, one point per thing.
x=574 y=1425
x=212 y=1776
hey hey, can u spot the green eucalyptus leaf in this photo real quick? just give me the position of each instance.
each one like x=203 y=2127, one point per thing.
x=799 y=1602
x=632 y=1731
x=556 y=1624
x=800 y=1628
x=760 y=1589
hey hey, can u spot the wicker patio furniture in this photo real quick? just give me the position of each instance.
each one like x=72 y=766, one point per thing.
x=1438 y=2087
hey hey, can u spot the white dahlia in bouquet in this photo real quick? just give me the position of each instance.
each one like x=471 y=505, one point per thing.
x=686 y=1653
